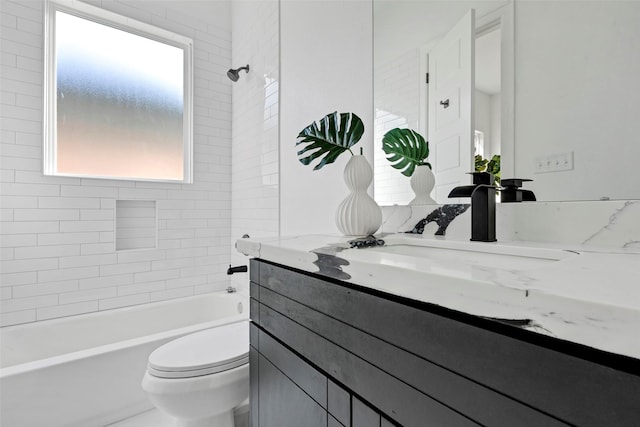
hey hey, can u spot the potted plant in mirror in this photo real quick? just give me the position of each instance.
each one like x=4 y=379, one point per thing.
x=327 y=139
x=492 y=166
x=407 y=150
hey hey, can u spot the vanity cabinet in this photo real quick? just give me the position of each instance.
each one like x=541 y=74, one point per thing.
x=330 y=353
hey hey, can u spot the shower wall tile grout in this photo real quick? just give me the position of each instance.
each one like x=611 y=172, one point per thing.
x=57 y=235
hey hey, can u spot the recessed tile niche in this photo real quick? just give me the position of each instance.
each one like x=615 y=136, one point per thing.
x=136 y=224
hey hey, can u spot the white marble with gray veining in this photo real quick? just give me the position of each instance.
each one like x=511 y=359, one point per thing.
x=579 y=281
x=611 y=224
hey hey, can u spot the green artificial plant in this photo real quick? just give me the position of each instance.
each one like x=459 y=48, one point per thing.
x=329 y=137
x=405 y=149
x=491 y=166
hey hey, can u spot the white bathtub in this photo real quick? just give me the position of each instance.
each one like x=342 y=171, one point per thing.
x=86 y=370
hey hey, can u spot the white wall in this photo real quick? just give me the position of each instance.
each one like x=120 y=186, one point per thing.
x=326 y=65
x=577 y=86
x=57 y=234
x=496 y=125
x=255 y=171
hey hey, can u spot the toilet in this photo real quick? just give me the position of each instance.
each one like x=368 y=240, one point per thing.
x=200 y=378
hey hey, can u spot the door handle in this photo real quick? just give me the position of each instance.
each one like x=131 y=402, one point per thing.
x=445 y=103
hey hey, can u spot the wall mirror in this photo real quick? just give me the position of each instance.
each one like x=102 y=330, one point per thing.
x=556 y=91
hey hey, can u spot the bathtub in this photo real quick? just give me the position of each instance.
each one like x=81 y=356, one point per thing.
x=86 y=370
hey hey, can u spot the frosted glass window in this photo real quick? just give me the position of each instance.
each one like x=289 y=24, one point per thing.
x=119 y=98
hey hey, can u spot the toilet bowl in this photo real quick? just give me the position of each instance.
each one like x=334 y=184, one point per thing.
x=200 y=378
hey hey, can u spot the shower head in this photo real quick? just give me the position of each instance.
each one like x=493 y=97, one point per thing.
x=234 y=75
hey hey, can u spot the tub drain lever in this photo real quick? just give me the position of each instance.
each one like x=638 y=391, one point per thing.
x=237 y=269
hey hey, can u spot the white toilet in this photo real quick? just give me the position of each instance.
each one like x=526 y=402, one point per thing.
x=200 y=378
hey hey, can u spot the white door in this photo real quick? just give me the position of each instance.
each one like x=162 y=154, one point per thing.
x=451 y=100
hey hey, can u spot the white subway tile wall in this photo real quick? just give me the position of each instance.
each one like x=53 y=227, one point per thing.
x=255 y=172
x=57 y=235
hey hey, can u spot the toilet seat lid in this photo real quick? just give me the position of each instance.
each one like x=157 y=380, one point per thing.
x=202 y=353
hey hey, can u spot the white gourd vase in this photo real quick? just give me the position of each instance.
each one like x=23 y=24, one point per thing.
x=358 y=214
x=422 y=183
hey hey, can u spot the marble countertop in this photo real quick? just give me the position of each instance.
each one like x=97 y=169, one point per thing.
x=581 y=294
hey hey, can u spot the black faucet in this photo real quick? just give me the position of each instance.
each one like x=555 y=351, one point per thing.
x=238 y=269
x=511 y=191
x=483 y=205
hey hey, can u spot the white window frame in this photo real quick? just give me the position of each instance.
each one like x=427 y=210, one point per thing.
x=101 y=16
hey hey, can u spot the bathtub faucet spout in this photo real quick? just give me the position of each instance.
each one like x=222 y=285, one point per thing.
x=231 y=290
x=238 y=269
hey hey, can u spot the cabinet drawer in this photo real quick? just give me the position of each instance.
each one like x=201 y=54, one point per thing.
x=393 y=397
x=442 y=389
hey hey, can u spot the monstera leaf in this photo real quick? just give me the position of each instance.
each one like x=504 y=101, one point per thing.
x=331 y=136
x=405 y=149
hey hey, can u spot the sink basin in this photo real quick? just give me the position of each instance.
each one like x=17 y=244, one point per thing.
x=461 y=255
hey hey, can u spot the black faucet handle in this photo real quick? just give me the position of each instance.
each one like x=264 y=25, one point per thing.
x=483 y=178
x=513 y=182
x=511 y=191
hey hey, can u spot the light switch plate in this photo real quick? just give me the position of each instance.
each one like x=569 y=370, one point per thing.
x=554 y=163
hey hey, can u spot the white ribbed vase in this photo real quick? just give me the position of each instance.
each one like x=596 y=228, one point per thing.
x=358 y=214
x=422 y=183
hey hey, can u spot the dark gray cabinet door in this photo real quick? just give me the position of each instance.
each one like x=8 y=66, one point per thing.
x=339 y=403
x=254 y=396
x=282 y=403
x=364 y=416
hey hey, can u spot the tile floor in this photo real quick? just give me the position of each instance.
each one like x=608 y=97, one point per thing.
x=152 y=418
x=155 y=418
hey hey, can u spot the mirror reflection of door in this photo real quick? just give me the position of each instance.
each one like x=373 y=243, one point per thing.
x=451 y=107
x=487 y=135
x=475 y=128
x=401 y=94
